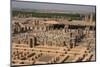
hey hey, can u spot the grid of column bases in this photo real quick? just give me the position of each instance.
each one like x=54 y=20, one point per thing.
x=37 y=40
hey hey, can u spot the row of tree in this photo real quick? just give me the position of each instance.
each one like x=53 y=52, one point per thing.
x=48 y=15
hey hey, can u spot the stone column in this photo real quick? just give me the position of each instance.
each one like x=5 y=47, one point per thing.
x=66 y=28
x=86 y=18
x=32 y=42
x=91 y=18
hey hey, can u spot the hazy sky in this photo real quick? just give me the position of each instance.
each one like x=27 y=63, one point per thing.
x=51 y=6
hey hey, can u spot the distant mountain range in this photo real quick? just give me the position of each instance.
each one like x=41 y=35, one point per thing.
x=49 y=11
